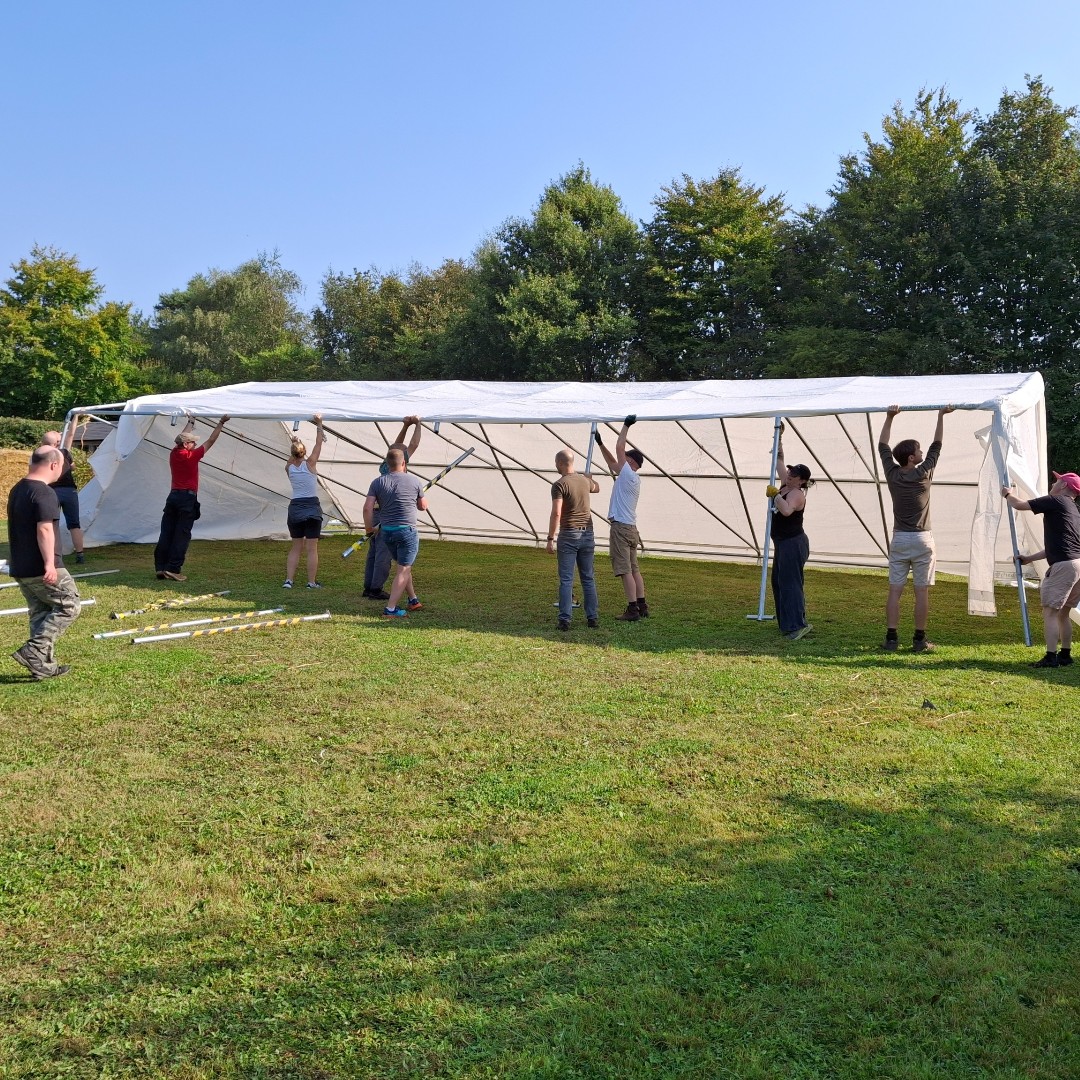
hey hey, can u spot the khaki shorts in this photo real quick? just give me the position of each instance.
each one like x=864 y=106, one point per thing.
x=1061 y=586
x=623 y=542
x=914 y=553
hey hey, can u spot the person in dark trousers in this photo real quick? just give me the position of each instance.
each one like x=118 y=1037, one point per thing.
x=65 y=488
x=911 y=550
x=182 y=506
x=791 y=546
x=33 y=513
x=1059 y=590
x=379 y=560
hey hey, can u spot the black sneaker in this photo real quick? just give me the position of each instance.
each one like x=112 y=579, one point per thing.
x=643 y=609
x=593 y=624
x=1063 y=660
x=564 y=625
x=1049 y=660
x=80 y=557
x=922 y=645
x=376 y=594
x=890 y=644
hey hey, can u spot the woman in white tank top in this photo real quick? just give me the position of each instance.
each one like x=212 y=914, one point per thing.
x=305 y=512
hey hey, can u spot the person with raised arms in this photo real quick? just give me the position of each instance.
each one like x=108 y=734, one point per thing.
x=909 y=474
x=305 y=510
x=182 y=505
x=624 y=538
x=399 y=495
x=791 y=546
x=1059 y=590
x=66 y=490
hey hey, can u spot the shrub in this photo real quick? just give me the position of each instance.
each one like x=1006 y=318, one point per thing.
x=19 y=434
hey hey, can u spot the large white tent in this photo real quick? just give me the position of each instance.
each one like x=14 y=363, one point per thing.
x=707 y=445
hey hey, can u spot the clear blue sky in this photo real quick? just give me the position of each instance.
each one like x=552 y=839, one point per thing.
x=157 y=140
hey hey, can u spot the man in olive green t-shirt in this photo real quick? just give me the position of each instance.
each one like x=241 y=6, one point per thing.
x=571 y=524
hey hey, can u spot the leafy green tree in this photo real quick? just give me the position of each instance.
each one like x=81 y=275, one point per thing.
x=389 y=326
x=230 y=326
x=708 y=287
x=59 y=345
x=554 y=295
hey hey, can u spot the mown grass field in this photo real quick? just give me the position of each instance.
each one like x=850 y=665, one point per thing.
x=473 y=847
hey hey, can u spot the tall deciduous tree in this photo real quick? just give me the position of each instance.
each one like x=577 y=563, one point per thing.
x=554 y=295
x=59 y=345
x=226 y=326
x=709 y=283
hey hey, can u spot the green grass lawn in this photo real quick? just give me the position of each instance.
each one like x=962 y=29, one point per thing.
x=472 y=846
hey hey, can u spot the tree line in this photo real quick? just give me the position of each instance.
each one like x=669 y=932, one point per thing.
x=950 y=243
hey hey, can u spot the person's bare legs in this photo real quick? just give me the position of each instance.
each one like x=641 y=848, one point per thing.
x=922 y=606
x=292 y=561
x=312 y=547
x=629 y=584
x=1065 y=627
x=1052 y=627
x=76 y=539
x=892 y=606
x=402 y=583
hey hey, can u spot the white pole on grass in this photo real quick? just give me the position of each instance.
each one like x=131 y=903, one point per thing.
x=231 y=629
x=761 y=616
x=189 y=622
x=92 y=573
x=25 y=610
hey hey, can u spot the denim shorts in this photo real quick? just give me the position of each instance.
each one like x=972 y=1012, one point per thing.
x=403 y=544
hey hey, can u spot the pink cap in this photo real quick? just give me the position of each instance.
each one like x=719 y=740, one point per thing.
x=1071 y=481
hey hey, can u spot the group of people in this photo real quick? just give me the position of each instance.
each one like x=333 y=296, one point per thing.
x=395 y=497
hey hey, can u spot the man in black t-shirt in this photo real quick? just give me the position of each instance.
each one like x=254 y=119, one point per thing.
x=33 y=512
x=1060 y=589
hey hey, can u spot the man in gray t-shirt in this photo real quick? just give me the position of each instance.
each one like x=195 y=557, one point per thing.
x=398 y=495
x=911 y=550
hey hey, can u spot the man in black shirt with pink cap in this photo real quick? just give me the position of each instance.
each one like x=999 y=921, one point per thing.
x=1060 y=589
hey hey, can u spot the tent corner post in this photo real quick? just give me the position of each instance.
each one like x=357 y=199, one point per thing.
x=1018 y=567
x=760 y=616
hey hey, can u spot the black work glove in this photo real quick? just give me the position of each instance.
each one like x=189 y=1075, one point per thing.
x=631 y=420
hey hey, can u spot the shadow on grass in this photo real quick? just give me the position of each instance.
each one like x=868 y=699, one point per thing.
x=936 y=939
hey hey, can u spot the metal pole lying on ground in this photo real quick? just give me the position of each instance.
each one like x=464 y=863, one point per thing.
x=427 y=487
x=230 y=629
x=189 y=622
x=93 y=573
x=25 y=610
x=160 y=604
x=761 y=616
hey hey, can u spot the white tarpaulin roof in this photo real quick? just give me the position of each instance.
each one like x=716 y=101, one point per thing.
x=707 y=447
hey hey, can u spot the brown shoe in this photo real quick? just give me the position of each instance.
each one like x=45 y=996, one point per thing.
x=172 y=576
x=631 y=614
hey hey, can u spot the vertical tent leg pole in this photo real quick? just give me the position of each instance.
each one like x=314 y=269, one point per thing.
x=592 y=443
x=1020 y=587
x=761 y=616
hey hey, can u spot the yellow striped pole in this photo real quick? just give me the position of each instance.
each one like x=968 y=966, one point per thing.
x=161 y=604
x=189 y=622
x=230 y=629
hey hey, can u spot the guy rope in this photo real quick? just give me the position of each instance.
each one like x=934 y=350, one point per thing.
x=161 y=604
x=230 y=629
x=427 y=487
x=190 y=622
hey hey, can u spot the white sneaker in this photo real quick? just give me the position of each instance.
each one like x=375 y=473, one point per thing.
x=287 y=585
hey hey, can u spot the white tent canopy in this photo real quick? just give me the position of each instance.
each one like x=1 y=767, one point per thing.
x=707 y=448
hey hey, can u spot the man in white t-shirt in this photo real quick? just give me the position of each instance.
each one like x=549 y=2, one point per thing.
x=622 y=518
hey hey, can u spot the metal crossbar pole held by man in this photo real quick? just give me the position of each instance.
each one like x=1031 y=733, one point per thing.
x=189 y=622
x=357 y=545
x=92 y=573
x=26 y=610
x=230 y=629
x=162 y=604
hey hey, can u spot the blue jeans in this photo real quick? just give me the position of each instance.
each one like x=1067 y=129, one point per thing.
x=577 y=547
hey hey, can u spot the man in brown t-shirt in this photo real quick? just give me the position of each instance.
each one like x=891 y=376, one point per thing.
x=909 y=475
x=571 y=524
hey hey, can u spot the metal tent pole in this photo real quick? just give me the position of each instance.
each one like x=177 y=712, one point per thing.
x=761 y=616
x=1017 y=565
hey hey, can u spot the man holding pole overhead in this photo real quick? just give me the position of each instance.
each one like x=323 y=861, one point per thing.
x=622 y=519
x=377 y=563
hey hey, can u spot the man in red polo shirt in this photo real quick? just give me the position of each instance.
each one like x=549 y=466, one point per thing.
x=182 y=506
